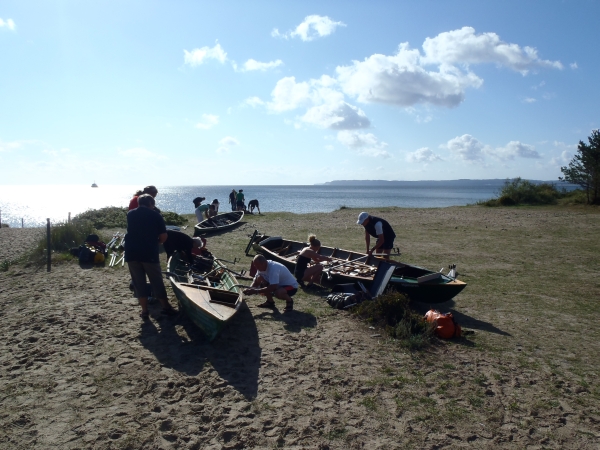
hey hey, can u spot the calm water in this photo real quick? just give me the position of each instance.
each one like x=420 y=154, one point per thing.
x=34 y=204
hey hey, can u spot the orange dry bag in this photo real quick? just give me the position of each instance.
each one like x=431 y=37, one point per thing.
x=445 y=325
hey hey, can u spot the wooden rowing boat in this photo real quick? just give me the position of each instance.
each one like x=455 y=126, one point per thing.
x=219 y=222
x=347 y=266
x=210 y=298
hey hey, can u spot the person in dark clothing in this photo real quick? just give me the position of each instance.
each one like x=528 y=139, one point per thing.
x=232 y=199
x=313 y=273
x=253 y=204
x=380 y=229
x=145 y=231
x=181 y=242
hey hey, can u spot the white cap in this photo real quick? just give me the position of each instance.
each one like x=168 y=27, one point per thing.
x=198 y=243
x=362 y=217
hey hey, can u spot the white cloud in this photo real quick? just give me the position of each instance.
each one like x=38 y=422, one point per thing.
x=466 y=147
x=537 y=86
x=200 y=55
x=288 y=95
x=401 y=80
x=253 y=101
x=530 y=100
x=364 y=143
x=311 y=28
x=8 y=23
x=337 y=116
x=208 y=121
x=465 y=47
x=226 y=144
x=573 y=66
x=325 y=106
x=514 y=149
x=140 y=153
x=9 y=146
x=252 y=64
x=423 y=155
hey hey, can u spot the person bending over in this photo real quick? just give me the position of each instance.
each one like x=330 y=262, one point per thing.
x=311 y=274
x=201 y=210
x=145 y=231
x=253 y=204
x=380 y=229
x=273 y=279
x=181 y=242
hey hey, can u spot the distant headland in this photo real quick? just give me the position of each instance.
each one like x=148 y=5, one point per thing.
x=460 y=182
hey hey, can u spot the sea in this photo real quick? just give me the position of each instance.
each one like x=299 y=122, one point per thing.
x=32 y=205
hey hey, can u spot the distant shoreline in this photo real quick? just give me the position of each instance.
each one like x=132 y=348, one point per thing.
x=459 y=182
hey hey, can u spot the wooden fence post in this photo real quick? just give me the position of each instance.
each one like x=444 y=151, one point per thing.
x=48 y=243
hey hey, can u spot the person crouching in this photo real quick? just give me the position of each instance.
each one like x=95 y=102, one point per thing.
x=273 y=279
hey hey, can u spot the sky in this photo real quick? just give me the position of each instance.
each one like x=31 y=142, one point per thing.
x=294 y=92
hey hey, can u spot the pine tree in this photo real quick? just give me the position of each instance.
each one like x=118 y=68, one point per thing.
x=584 y=168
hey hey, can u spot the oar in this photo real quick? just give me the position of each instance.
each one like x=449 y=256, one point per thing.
x=328 y=271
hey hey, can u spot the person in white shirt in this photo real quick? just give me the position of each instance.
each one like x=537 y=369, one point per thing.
x=273 y=279
x=201 y=210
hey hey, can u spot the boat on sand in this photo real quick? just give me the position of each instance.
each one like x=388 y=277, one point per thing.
x=419 y=284
x=209 y=296
x=219 y=222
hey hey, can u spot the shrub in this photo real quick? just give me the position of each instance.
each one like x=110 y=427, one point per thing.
x=524 y=192
x=109 y=217
x=391 y=312
x=63 y=236
x=172 y=218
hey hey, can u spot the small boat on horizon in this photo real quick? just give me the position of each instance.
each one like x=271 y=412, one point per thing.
x=94 y=184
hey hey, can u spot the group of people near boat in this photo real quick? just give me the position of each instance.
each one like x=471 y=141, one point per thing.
x=237 y=199
x=146 y=230
x=273 y=279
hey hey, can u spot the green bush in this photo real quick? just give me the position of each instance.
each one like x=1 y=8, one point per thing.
x=391 y=312
x=109 y=217
x=115 y=217
x=172 y=218
x=63 y=236
x=524 y=192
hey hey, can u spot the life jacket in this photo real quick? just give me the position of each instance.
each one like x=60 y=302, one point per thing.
x=445 y=325
x=388 y=233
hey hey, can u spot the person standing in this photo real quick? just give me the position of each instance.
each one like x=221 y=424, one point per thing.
x=273 y=279
x=233 y=199
x=380 y=229
x=151 y=190
x=145 y=231
x=213 y=208
x=239 y=200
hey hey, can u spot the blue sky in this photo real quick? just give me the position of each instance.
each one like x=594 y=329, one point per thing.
x=290 y=92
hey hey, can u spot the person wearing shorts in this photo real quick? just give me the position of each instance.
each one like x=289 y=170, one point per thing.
x=145 y=231
x=273 y=279
x=380 y=229
x=240 y=200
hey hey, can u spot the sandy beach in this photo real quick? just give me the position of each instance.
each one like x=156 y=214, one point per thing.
x=80 y=369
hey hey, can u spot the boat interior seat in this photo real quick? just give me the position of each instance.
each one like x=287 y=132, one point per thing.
x=429 y=278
